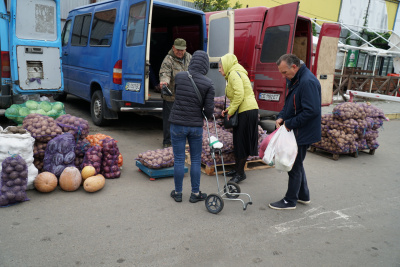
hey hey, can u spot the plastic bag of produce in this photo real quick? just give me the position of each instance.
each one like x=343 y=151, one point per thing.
x=77 y=126
x=41 y=127
x=109 y=164
x=282 y=149
x=59 y=154
x=264 y=144
x=93 y=158
x=13 y=183
x=17 y=112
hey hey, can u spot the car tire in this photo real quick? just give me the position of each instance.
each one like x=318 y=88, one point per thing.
x=97 y=109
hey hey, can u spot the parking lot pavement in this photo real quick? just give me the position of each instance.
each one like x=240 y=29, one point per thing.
x=352 y=219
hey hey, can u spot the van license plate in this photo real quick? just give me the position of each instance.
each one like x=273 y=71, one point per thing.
x=135 y=87
x=269 y=97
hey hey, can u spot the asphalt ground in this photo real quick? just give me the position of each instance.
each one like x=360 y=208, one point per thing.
x=352 y=220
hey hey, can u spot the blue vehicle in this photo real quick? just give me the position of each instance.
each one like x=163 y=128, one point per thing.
x=30 y=38
x=112 y=52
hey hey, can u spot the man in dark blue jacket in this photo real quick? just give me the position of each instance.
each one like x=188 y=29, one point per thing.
x=302 y=115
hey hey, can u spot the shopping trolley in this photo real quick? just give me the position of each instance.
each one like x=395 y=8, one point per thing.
x=231 y=191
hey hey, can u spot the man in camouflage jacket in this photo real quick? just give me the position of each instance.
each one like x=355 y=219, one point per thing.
x=175 y=61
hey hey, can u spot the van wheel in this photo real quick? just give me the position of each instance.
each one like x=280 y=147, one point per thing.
x=60 y=97
x=97 y=109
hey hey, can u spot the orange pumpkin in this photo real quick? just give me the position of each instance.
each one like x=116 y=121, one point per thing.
x=45 y=182
x=70 y=179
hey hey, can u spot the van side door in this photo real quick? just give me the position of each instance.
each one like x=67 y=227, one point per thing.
x=220 y=42
x=276 y=39
x=136 y=51
x=325 y=60
x=35 y=43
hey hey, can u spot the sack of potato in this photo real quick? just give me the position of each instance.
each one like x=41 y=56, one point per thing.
x=351 y=127
x=157 y=159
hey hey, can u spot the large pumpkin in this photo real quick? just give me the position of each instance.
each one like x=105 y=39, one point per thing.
x=45 y=182
x=70 y=179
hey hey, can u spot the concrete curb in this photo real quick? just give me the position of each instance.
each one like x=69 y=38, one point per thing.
x=393 y=116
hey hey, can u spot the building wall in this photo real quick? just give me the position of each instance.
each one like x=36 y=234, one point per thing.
x=321 y=9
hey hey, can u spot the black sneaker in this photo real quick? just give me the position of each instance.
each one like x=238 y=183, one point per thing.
x=282 y=205
x=304 y=201
x=231 y=173
x=238 y=178
x=166 y=145
x=195 y=198
x=176 y=196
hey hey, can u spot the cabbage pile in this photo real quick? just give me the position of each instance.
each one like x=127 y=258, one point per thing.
x=17 y=112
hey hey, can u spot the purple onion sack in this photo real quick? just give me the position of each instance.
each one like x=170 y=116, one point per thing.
x=109 y=164
x=93 y=157
x=14 y=178
x=59 y=154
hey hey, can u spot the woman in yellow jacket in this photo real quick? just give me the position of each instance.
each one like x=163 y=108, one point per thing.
x=241 y=95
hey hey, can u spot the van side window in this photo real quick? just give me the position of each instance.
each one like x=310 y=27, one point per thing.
x=136 y=23
x=102 y=28
x=275 y=43
x=65 y=33
x=80 y=31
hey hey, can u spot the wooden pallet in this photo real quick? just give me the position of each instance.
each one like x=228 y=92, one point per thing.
x=335 y=156
x=250 y=165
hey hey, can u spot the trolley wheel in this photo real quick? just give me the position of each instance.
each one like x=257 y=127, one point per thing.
x=214 y=203
x=231 y=187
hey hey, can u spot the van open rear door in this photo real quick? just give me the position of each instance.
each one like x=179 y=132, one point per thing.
x=276 y=39
x=325 y=60
x=220 y=42
x=136 y=44
x=35 y=43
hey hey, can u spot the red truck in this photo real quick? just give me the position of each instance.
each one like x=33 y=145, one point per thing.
x=262 y=35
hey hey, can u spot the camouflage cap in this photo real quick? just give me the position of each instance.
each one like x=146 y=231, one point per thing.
x=180 y=44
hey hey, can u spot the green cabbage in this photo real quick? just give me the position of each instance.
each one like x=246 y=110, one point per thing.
x=58 y=106
x=52 y=113
x=31 y=104
x=45 y=105
x=24 y=111
x=12 y=111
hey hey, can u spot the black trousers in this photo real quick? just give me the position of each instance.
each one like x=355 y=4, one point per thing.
x=167 y=107
x=297 y=185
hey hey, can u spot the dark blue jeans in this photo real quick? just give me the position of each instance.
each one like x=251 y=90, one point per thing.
x=194 y=135
x=297 y=185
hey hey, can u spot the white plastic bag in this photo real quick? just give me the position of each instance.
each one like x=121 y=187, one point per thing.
x=269 y=153
x=282 y=150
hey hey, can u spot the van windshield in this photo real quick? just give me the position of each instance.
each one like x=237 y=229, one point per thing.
x=36 y=20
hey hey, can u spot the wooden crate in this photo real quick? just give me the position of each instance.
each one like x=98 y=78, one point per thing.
x=335 y=156
x=250 y=165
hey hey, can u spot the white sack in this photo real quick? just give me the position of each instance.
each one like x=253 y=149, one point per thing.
x=19 y=144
